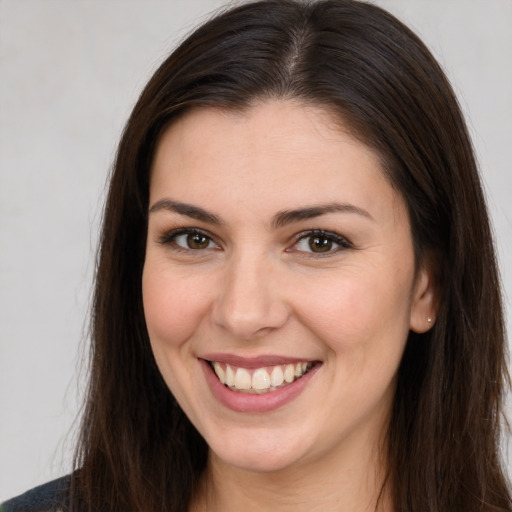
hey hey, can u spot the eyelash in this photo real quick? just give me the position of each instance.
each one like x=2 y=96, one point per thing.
x=169 y=238
x=342 y=243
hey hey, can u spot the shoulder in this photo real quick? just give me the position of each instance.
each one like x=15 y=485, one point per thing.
x=49 y=497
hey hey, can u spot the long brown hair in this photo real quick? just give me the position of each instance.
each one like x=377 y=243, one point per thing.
x=138 y=451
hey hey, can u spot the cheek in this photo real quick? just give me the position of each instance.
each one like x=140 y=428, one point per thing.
x=356 y=311
x=174 y=306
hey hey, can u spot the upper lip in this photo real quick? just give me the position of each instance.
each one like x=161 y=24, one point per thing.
x=253 y=362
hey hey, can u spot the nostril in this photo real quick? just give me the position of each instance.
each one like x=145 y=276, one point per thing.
x=251 y=321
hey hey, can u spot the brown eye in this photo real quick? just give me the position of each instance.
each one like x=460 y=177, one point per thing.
x=197 y=241
x=320 y=243
x=189 y=240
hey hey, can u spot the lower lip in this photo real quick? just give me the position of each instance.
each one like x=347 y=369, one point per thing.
x=244 y=402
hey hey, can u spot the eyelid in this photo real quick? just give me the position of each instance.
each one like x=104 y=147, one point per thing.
x=167 y=238
x=342 y=242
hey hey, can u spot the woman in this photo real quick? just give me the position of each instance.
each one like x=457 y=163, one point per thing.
x=297 y=303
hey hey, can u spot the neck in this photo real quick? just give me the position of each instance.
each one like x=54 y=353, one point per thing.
x=351 y=483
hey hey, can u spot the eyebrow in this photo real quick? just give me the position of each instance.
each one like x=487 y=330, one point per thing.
x=280 y=220
x=189 y=210
x=310 y=212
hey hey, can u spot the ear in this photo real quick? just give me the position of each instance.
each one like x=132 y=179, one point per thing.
x=423 y=307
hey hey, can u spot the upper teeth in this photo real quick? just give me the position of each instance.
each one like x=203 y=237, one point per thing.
x=262 y=379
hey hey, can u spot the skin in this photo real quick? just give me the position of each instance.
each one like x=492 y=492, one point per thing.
x=259 y=289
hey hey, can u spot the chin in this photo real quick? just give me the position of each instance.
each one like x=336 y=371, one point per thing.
x=261 y=455
x=257 y=462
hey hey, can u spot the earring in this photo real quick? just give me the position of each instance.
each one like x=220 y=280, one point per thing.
x=429 y=320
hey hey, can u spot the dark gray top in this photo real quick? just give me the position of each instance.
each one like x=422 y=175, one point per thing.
x=50 y=497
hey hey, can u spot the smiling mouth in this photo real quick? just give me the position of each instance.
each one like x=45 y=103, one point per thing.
x=260 y=380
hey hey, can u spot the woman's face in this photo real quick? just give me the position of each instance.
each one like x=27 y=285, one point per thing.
x=279 y=284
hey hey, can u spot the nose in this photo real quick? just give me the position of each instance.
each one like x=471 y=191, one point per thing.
x=250 y=303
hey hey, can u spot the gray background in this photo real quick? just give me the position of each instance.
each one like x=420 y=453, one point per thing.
x=69 y=73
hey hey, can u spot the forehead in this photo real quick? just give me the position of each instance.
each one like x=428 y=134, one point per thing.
x=280 y=151
x=279 y=125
